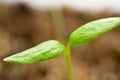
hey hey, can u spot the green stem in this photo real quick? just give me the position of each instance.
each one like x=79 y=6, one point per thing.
x=68 y=62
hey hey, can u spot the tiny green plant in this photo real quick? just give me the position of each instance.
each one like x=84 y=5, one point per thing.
x=52 y=48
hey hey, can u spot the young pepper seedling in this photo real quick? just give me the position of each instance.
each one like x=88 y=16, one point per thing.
x=52 y=48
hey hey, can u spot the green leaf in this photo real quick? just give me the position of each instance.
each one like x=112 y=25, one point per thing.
x=44 y=51
x=92 y=30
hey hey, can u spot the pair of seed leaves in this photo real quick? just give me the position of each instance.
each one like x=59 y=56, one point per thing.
x=52 y=48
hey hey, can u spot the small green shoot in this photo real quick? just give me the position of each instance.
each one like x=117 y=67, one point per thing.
x=51 y=49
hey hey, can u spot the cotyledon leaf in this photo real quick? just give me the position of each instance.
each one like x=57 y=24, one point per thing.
x=92 y=30
x=44 y=51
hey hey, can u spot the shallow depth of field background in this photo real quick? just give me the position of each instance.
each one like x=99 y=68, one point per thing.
x=26 y=23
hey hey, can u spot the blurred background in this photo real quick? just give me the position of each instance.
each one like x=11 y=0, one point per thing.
x=26 y=23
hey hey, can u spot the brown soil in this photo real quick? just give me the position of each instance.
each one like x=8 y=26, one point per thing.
x=22 y=27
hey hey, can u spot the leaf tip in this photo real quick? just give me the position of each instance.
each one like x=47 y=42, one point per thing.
x=10 y=60
x=6 y=59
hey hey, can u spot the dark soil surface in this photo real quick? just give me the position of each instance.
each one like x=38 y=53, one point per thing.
x=22 y=27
